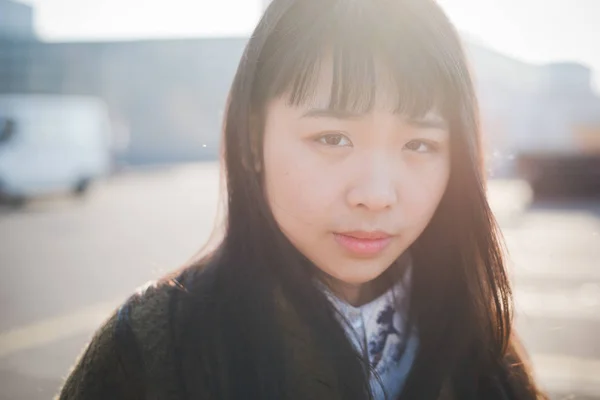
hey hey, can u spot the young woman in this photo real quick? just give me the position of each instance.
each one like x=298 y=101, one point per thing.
x=360 y=258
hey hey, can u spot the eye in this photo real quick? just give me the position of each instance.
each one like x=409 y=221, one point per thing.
x=421 y=146
x=334 y=140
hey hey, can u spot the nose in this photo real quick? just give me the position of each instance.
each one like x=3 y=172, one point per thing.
x=374 y=187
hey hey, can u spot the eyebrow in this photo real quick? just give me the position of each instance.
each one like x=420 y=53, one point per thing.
x=430 y=120
x=331 y=113
x=434 y=121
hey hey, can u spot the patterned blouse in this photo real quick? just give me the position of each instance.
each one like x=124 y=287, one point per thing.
x=378 y=332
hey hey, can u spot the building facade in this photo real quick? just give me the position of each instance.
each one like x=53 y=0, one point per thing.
x=169 y=96
x=16 y=20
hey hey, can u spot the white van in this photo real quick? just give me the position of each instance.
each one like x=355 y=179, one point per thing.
x=52 y=143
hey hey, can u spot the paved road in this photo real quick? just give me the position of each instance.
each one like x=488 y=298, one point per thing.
x=67 y=263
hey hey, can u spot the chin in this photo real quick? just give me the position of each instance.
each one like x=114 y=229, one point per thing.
x=358 y=277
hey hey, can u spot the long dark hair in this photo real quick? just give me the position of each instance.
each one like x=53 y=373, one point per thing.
x=231 y=338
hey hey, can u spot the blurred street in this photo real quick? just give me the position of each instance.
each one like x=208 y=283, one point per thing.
x=66 y=263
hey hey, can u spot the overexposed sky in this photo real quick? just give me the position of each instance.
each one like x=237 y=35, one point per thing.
x=133 y=19
x=532 y=30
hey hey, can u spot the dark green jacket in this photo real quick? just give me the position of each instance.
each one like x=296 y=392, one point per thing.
x=132 y=356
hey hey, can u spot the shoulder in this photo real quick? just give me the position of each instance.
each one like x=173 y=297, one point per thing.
x=133 y=349
x=155 y=308
x=157 y=314
x=107 y=365
x=148 y=311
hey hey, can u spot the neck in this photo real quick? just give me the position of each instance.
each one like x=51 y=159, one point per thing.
x=358 y=294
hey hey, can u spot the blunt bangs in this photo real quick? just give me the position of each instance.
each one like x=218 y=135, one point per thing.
x=363 y=54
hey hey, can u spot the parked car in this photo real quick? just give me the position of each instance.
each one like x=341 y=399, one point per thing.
x=51 y=144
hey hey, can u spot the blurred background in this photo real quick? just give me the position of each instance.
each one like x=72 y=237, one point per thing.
x=110 y=115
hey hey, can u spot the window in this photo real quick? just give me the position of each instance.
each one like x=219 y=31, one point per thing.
x=7 y=129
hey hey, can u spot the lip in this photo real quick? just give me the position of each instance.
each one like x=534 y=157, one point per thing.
x=363 y=243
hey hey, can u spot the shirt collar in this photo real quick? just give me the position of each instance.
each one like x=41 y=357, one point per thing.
x=396 y=298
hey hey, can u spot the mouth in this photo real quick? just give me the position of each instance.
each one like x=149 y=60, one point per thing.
x=362 y=243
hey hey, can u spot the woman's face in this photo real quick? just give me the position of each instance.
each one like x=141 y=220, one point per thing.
x=353 y=192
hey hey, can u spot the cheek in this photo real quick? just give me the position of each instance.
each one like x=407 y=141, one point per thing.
x=297 y=190
x=425 y=192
